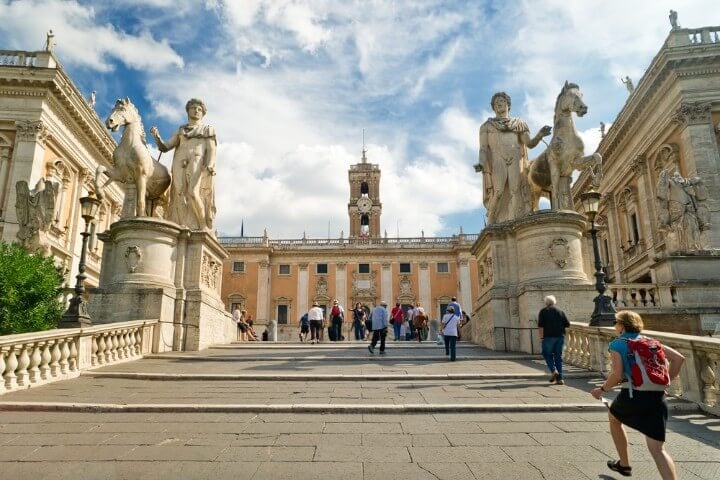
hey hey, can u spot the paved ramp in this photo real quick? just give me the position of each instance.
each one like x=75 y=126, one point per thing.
x=329 y=411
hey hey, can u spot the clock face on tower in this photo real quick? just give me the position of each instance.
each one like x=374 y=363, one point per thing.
x=364 y=204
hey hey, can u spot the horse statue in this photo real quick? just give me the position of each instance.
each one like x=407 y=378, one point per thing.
x=550 y=173
x=133 y=163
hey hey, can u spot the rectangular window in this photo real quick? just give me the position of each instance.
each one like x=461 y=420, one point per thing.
x=364 y=268
x=282 y=314
x=238 y=267
x=443 y=307
x=404 y=268
x=284 y=269
x=443 y=267
x=635 y=230
x=321 y=268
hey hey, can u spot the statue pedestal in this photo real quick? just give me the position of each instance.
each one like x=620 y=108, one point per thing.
x=155 y=269
x=519 y=263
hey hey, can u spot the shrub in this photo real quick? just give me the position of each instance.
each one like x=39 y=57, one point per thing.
x=30 y=288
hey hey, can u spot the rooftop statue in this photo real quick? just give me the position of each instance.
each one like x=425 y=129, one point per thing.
x=627 y=81
x=503 y=161
x=673 y=20
x=552 y=170
x=682 y=212
x=192 y=193
x=133 y=162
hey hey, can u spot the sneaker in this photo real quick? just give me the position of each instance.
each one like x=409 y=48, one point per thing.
x=370 y=349
x=622 y=470
x=300 y=335
x=382 y=352
x=560 y=381
x=553 y=377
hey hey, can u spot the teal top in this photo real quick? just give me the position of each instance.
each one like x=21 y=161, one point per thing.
x=620 y=345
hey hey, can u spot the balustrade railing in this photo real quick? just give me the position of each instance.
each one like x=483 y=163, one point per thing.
x=17 y=58
x=363 y=242
x=587 y=347
x=32 y=359
x=634 y=295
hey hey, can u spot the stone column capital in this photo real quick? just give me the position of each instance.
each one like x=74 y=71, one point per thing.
x=340 y=265
x=693 y=113
x=463 y=262
x=31 y=131
x=639 y=165
x=264 y=264
x=386 y=265
x=303 y=266
x=423 y=265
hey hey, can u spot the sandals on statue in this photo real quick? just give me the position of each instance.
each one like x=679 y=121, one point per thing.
x=622 y=470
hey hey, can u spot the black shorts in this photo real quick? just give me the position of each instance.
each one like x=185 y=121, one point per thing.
x=242 y=328
x=304 y=328
x=646 y=412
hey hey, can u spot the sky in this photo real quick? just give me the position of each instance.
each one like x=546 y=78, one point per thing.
x=291 y=84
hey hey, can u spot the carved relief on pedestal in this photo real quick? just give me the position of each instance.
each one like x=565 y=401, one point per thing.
x=210 y=272
x=363 y=285
x=405 y=286
x=31 y=131
x=693 y=113
x=133 y=257
x=485 y=271
x=559 y=251
x=321 y=287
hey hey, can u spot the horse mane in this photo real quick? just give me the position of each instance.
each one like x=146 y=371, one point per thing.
x=143 y=137
x=564 y=90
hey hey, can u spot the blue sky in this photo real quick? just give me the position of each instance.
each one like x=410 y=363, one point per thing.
x=290 y=85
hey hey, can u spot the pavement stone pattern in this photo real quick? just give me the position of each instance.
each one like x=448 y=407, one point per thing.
x=361 y=445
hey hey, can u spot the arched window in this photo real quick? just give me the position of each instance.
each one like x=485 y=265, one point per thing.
x=364 y=189
x=364 y=226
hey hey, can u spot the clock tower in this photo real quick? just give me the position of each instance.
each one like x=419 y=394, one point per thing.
x=364 y=207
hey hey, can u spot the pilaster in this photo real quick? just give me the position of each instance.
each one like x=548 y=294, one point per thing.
x=341 y=284
x=465 y=289
x=424 y=287
x=263 y=298
x=386 y=283
x=302 y=289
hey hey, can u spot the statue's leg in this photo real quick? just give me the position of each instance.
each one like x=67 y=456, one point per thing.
x=555 y=195
x=141 y=186
x=499 y=176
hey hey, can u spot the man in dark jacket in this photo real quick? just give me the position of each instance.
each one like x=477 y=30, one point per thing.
x=552 y=323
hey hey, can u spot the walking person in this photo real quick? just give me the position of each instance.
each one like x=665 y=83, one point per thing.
x=552 y=323
x=396 y=318
x=450 y=331
x=456 y=307
x=644 y=410
x=304 y=327
x=359 y=321
x=315 y=318
x=337 y=315
x=420 y=320
x=379 y=318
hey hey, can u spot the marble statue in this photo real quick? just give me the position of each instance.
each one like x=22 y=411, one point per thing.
x=627 y=81
x=552 y=170
x=50 y=41
x=503 y=161
x=683 y=212
x=91 y=100
x=673 y=20
x=133 y=163
x=35 y=210
x=192 y=192
x=602 y=129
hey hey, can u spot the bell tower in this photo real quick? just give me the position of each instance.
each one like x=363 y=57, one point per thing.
x=364 y=207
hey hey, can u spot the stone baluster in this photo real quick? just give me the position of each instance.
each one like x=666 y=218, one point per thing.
x=116 y=345
x=575 y=346
x=23 y=377
x=94 y=352
x=101 y=349
x=45 y=373
x=35 y=359
x=10 y=366
x=122 y=353
x=707 y=375
x=2 y=368
x=587 y=353
x=138 y=341
x=73 y=359
x=131 y=343
x=55 y=360
x=64 y=355
x=607 y=364
x=108 y=347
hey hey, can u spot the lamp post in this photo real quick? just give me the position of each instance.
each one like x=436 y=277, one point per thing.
x=604 y=312
x=76 y=314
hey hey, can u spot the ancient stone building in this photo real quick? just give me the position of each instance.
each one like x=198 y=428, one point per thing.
x=280 y=279
x=660 y=253
x=51 y=141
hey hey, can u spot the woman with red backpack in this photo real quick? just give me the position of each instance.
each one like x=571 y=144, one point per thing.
x=640 y=365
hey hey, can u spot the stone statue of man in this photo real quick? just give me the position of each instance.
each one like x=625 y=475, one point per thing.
x=627 y=81
x=673 y=19
x=503 y=160
x=192 y=192
x=682 y=212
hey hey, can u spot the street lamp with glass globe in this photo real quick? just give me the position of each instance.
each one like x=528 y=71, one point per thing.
x=604 y=312
x=77 y=314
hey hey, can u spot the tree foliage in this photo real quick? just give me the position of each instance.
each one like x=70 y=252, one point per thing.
x=30 y=287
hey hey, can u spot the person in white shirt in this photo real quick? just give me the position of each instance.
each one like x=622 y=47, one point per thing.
x=315 y=316
x=380 y=321
x=450 y=332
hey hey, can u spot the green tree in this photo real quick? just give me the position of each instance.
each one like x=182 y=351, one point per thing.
x=30 y=287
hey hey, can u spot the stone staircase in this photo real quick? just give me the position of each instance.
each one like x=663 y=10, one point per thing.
x=330 y=411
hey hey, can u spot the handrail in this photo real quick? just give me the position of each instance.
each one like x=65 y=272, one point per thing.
x=363 y=242
x=31 y=359
x=587 y=347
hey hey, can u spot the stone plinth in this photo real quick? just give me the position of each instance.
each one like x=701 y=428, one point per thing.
x=153 y=268
x=519 y=263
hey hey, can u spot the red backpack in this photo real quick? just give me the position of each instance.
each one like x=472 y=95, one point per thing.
x=648 y=365
x=336 y=311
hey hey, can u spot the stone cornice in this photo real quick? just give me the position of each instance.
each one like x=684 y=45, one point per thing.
x=693 y=113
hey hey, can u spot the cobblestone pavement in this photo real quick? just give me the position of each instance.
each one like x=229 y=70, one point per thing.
x=562 y=444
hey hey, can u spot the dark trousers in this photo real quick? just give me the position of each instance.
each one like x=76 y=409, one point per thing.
x=337 y=328
x=315 y=328
x=450 y=346
x=379 y=335
x=552 y=350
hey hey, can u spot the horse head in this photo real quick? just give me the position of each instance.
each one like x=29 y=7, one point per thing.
x=570 y=100
x=123 y=113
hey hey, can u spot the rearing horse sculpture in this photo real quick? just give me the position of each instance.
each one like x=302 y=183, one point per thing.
x=132 y=160
x=551 y=171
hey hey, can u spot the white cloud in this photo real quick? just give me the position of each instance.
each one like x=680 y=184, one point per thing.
x=79 y=40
